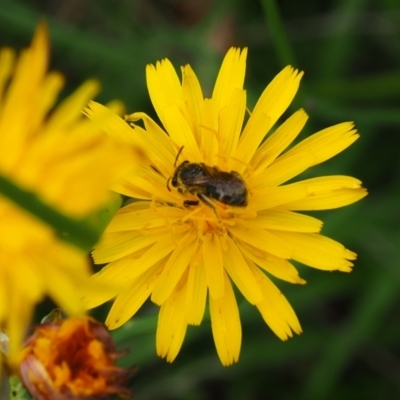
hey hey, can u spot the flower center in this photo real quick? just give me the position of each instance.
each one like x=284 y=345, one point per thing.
x=206 y=218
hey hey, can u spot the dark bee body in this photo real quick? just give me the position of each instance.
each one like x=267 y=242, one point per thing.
x=210 y=183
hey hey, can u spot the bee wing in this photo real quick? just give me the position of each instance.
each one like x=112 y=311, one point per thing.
x=211 y=171
x=197 y=181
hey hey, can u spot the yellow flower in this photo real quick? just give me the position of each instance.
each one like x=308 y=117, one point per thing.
x=60 y=160
x=179 y=245
x=72 y=359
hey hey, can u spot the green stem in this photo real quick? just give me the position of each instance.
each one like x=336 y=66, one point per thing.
x=73 y=231
x=279 y=37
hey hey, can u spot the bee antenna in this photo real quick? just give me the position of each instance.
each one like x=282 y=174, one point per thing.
x=177 y=156
x=168 y=184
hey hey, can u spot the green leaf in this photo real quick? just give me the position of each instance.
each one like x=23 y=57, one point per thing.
x=17 y=389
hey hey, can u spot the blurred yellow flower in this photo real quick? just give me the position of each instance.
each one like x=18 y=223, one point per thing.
x=61 y=159
x=211 y=208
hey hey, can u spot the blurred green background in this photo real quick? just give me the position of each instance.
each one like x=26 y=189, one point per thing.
x=350 y=52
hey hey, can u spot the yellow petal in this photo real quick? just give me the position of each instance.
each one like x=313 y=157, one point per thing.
x=51 y=87
x=164 y=87
x=128 y=188
x=132 y=297
x=71 y=108
x=7 y=59
x=259 y=122
x=106 y=120
x=238 y=270
x=261 y=239
x=275 y=309
x=65 y=283
x=231 y=122
x=158 y=155
x=114 y=246
x=213 y=265
x=230 y=77
x=171 y=328
x=329 y=183
x=225 y=324
x=273 y=102
x=112 y=275
x=158 y=141
x=32 y=284
x=39 y=53
x=173 y=271
x=280 y=172
x=150 y=257
x=18 y=319
x=21 y=93
x=139 y=216
x=112 y=124
x=209 y=141
x=276 y=266
x=193 y=97
x=63 y=290
x=196 y=294
x=318 y=251
x=327 y=201
x=309 y=188
x=276 y=143
x=267 y=198
x=4 y=289
x=180 y=132
x=153 y=188
x=324 y=144
x=287 y=221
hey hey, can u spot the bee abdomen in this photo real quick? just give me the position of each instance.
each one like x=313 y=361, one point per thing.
x=229 y=195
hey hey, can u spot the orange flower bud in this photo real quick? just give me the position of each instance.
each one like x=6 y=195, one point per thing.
x=72 y=359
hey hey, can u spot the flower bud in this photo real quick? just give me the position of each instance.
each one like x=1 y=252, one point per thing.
x=72 y=359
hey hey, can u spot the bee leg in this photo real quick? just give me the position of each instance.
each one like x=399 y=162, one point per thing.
x=206 y=200
x=188 y=203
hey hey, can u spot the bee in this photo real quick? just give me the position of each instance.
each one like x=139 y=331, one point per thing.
x=208 y=184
